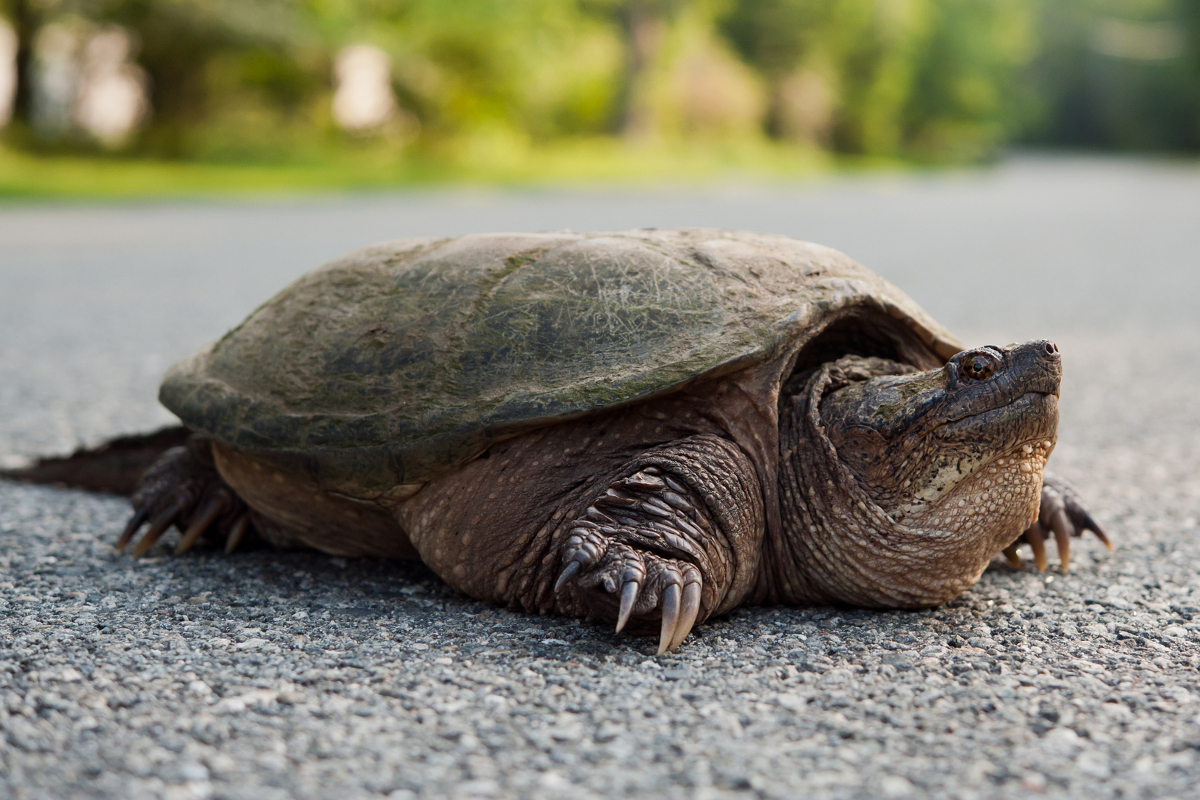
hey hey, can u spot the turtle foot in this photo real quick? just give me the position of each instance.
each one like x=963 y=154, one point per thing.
x=182 y=488
x=634 y=557
x=1062 y=515
x=658 y=549
x=639 y=584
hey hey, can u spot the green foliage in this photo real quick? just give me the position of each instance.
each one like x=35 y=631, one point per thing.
x=493 y=81
x=233 y=69
x=539 y=67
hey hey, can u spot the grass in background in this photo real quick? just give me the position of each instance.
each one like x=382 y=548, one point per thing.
x=494 y=162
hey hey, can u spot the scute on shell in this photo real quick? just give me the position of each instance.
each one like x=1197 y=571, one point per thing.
x=402 y=360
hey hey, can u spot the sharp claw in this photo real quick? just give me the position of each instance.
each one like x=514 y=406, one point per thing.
x=1014 y=558
x=1090 y=524
x=1084 y=522
x=571 y=569
x=1062 y=537
x=629 y=593
x=157 y=528
x=1036 y=536
x=237 y=534
x=688 y=614
x=670 y=617
x=131 y=527
x=210 y=513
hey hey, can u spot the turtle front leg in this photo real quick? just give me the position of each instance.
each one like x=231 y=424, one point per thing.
x=1063 y=515
x=671 y=542
x=183 y=488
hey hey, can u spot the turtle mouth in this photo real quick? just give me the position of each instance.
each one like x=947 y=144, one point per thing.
x=1029 y=407
x=973 y=442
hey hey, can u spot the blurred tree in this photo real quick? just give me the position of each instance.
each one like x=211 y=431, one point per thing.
x=886 y=77
x=514 y=68
x=1119 y=74
x=643 y=25
x=209 y=58
x=178 y=42
x=780 y=38
x=965 y=97
x=838 y=69
x=707 y=92
x=1189 y=23
x=680 y=78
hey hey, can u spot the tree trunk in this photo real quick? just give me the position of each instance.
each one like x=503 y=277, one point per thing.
x=26 y=21
x=643 y=27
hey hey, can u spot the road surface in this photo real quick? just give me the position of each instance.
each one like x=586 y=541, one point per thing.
x=268 y=675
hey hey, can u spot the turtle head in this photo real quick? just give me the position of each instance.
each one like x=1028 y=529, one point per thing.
x=934 y=472
x=918 y=442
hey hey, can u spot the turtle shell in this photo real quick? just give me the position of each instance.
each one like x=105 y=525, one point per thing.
x=400 y=361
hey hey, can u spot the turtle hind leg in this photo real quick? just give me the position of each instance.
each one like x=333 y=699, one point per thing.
x=184 y=489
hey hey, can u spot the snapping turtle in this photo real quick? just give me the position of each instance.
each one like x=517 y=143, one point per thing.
x=648 y=428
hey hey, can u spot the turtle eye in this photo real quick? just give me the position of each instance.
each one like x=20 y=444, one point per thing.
x=978 y=366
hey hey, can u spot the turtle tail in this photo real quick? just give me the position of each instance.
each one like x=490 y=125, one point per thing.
x=115 y=466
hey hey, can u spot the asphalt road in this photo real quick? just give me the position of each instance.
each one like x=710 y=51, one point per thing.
x=295 y=675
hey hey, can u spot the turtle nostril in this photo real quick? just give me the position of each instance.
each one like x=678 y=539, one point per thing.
x=1051 y=348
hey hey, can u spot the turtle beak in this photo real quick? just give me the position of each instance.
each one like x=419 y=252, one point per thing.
x=1035 y=367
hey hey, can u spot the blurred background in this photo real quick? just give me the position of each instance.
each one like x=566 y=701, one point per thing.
x=119 y=96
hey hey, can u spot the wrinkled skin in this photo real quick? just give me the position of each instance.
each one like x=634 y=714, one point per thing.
x=895 y=488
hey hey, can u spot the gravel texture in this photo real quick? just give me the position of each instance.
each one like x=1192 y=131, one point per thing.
x=267 y=674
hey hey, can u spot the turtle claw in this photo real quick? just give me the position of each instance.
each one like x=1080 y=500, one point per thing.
x=182 y=488
x=650 y=587
x=1062 y=537
x=637 y=555
x=571 y=569
x=629 y=593
x=1062 y=514
x=1036 y=536
x=681 y=606
x=584 y=548
x=157 y=528
x=237 y=533
x=1081 y=520
x=207 y=516
x=687 y=616
x=131 y=528
x=670 y=617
